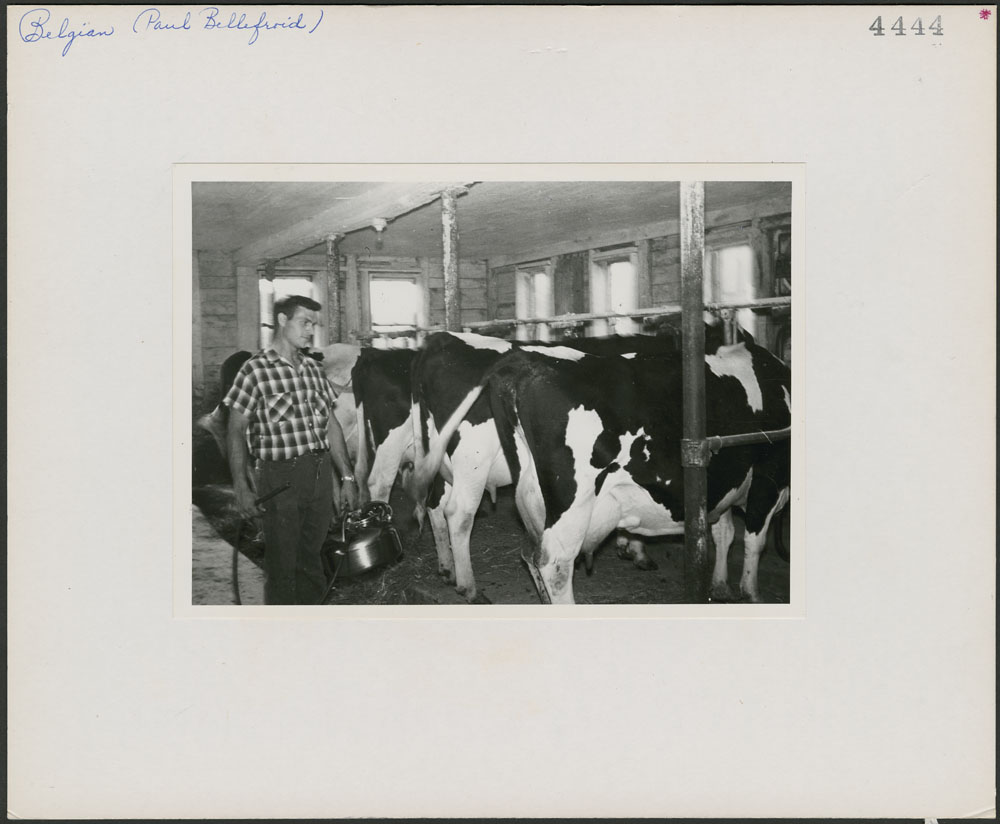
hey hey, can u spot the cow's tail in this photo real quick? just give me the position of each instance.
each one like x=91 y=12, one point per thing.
x=430 y=464
x=418 y=410
x=410 y=482
x=361 y=459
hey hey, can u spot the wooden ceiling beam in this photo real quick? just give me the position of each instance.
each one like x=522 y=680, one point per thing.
x=382 y=200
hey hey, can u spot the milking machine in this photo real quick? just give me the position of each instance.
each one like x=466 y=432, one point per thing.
x=367 y=541
x=362 y=540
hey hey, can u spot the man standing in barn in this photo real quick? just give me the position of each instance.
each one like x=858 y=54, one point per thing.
x=281 y=415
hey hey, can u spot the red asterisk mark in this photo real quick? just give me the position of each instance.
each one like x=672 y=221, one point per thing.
x=985 y=14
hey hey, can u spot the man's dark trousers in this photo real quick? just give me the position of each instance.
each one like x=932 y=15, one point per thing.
x=296 y=523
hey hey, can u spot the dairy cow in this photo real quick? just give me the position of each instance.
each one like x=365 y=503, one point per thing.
x=593 y=444
x=381 y=380
x=446 y=369
x=382 y=387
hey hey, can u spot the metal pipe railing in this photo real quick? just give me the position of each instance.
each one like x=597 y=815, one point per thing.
x=573 y=319
x=717 y=442
x=758 y=303
x=652 y=312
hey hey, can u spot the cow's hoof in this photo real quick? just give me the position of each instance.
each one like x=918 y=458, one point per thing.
x=645 y=562
x=721 y=594
x=751 y=597
x=469 y=595
x=447 y=574
x=623 y=551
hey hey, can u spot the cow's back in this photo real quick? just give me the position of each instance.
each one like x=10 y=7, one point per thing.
x=622 y=344
x=446 y=369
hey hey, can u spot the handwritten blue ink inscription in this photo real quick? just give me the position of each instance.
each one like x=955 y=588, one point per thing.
x=34 y=28
x=152 y=20
x=37 y=26
x=241 y=23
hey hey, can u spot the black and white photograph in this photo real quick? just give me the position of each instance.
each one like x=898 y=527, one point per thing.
x=475 y=392
x=510 y=412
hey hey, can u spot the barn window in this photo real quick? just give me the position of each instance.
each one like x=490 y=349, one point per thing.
x=614 y=288
x=534 y=299
x=274 y=290
x=730 y=279
x=396 y=307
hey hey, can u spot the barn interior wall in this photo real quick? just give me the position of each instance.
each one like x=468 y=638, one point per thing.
x=472 y=285
x=569 y=283
x=665 y=269
x=660 y=264
x=197 y=364
x=226 y=310
x=217 y=323
x=353 y=297
x=226 y=304
x=506 y=292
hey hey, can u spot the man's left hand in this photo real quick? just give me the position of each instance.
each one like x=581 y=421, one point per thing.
x=348 y=496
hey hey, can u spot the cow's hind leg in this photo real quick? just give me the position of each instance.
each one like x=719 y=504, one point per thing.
x=555 y=567
x=723 y=531
x=442 y=543
x=761 y=508
x=439 y=528
x=560 y=545
x=460 y=512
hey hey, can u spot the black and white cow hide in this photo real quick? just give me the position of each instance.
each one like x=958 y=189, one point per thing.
x=381 y=381
x=593 y=444
x=446 y=369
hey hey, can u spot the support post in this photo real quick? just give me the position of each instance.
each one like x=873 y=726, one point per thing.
x=449 y=243
x=644 y=275
x=424 y=317
x=333 y=288
x=352 y=301
x=694 y=449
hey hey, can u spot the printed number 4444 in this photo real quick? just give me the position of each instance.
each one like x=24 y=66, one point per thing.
x=900 y=29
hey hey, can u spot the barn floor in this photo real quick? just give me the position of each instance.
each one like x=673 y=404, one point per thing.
x=498 y=539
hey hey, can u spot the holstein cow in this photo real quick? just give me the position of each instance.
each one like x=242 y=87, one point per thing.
x=381 y=380
x=446 y=369
x=338 y=360
x=593 y=444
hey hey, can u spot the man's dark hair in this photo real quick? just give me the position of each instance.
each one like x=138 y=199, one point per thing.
x=286 y=306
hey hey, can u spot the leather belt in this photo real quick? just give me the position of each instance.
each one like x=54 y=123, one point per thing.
x=317 y=453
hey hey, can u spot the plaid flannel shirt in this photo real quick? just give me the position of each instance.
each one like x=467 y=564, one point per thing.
x=288 y=409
